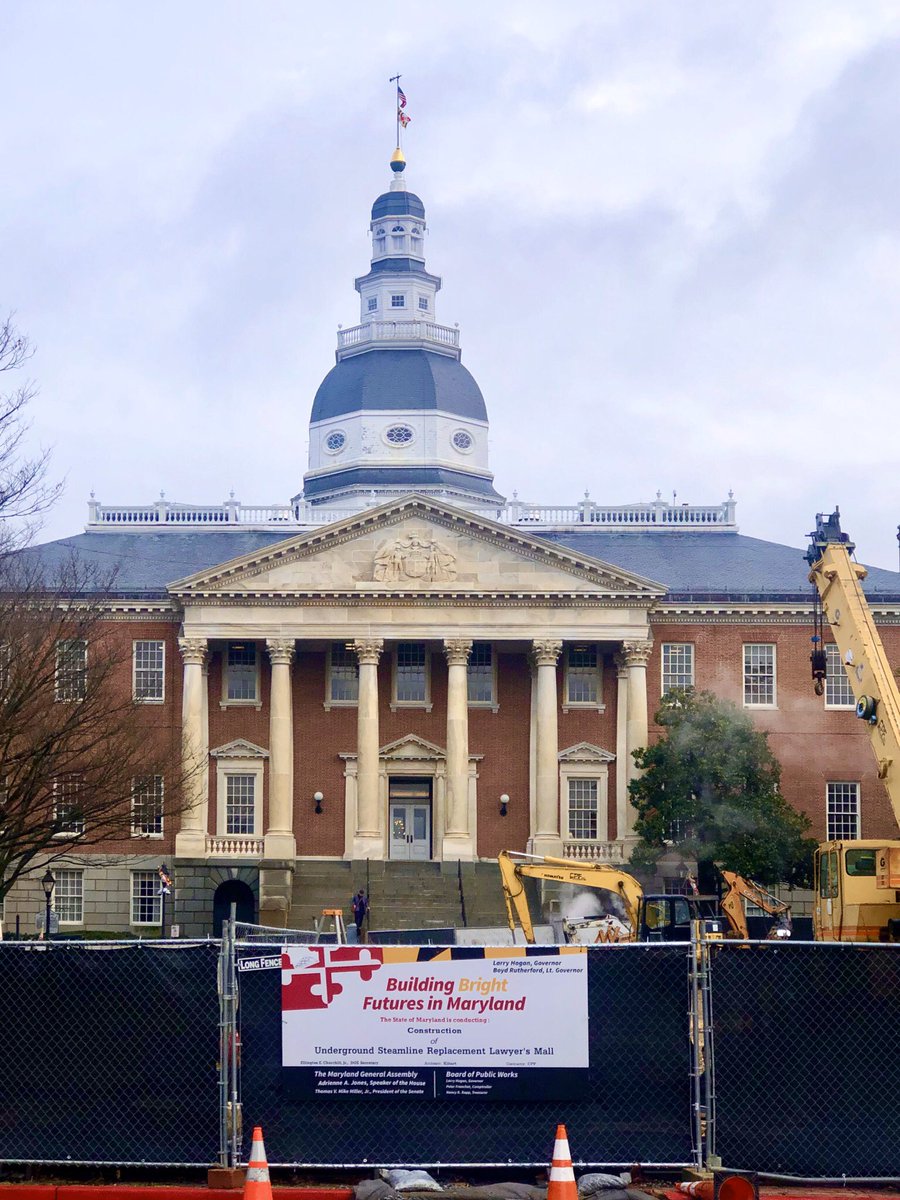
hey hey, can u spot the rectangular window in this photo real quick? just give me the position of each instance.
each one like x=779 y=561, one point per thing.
x=759 y=675
x=146 y=906
x=398 y=302
x=411 y=678
x=240 y=671
x=68 y=897
x=240 y=804
x=582 y=675
x=838 y=692
x=149 y=661
x=343 y=675
x=68 y=814
x=583 y=809
x=423 y=303
x=480 y=674
x=842 y=811
x=677 y=665
x=71 y=669
x=372 y=303
x=147 y=806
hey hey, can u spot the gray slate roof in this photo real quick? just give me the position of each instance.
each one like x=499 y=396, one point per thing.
x=398 y=204
x=706 y=566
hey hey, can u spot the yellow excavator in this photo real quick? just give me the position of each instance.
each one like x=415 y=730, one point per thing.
x=857 y=883
x=631 y=915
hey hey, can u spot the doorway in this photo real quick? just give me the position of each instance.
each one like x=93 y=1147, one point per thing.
x=233 y=891
x=409 y=812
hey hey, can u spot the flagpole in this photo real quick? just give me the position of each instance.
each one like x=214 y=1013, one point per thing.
x=396 y=79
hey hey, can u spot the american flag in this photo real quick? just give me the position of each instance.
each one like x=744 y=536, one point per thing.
x=401 y=98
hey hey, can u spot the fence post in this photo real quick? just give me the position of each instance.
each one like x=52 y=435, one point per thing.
x=230 y=1048
x=696 y=1035
x=224 y=1043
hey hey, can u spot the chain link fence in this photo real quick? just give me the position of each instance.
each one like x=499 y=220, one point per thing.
x=782 y=1058
x=110 y=1052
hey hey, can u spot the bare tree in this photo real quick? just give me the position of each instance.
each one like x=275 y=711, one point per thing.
x=24 y=489
x=83 y=763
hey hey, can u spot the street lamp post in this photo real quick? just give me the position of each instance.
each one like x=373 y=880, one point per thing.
x=165 y=889
x=48 y=883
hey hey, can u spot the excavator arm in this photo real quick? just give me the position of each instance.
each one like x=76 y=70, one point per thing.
x=738 y=888
x=514 y=867
x=838 y=581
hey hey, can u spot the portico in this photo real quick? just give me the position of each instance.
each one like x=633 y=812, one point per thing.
x=456 y=582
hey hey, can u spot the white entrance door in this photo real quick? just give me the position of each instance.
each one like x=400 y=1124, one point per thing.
x=410 y=820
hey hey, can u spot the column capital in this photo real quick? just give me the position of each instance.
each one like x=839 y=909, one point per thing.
x=545 y=653
x=194 y=650
x=457 y=651
x=368 y=650
x=280 y=650
x=637 y=653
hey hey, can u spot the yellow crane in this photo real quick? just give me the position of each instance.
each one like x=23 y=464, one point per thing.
x=856 y=882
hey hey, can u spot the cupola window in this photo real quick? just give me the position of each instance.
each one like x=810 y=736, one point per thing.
x=380 y=243
x=372 y=303
x=398 y=301
x=398 y=237
x=335 y=441
x=398 y=435
x=416 y=240
x=423 y=303
x=462 y=440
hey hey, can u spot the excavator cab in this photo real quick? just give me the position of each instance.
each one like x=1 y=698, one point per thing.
x=666 y=918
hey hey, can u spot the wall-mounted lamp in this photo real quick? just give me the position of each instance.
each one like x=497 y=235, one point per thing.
x=318 y=797
x=504 y=804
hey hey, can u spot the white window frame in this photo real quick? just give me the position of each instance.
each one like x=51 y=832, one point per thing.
x=161 y=698
x=765 y=704
x=834 y=669
x=398 y=300
x=585 y=761
x=424 y=306
x=592 y=705
x=73 y=875
x=330 y=702
x=58 y=780
x=592 y=782
x=830 y=834
x=372 y=304
x=61 y=692
x=226 y=767
x=665 y=665
x=426 y=704
x=136 y=783
x=225 y=702
x=491 y=704
x=151 y=877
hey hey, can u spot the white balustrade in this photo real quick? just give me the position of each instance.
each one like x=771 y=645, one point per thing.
x=234 y=846
x=658 y=515
x=601 y=852
x=400 y=331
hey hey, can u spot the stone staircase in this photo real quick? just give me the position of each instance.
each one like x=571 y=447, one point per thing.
x=402 y=895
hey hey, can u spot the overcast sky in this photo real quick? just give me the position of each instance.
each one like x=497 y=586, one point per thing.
x=670 y=234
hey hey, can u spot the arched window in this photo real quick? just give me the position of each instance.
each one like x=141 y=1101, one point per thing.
x=379 y=242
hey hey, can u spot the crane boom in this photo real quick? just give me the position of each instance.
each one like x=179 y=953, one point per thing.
x=838 y=580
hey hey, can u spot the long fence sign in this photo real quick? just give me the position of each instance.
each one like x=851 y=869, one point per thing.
x=435 y=1023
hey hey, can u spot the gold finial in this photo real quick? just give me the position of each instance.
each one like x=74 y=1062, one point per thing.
x=398 y=162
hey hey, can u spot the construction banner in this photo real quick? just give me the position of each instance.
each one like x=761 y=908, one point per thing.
x=434 y=1023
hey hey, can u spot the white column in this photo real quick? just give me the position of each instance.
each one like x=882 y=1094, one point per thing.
x=457 y=841
x=635 y=655
x=546 y=836
x=190 y=841
x=622 y=801
x=369 y=839
x=279 y=839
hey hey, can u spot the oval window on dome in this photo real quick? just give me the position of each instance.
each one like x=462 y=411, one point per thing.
x=398 y=435
x=335 y=441
x=463 y=441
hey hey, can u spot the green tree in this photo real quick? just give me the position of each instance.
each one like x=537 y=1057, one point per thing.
x=710 y=789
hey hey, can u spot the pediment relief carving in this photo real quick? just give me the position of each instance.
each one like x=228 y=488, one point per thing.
x=414 y=558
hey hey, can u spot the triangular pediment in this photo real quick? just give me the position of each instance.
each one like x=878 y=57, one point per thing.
x=413 y=748
x=585 y=752
x=416 y=546
x=239 y=748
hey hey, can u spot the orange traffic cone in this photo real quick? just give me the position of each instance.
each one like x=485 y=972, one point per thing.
x=700 y=1189
x=562 y=1178
x=257 y=1185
